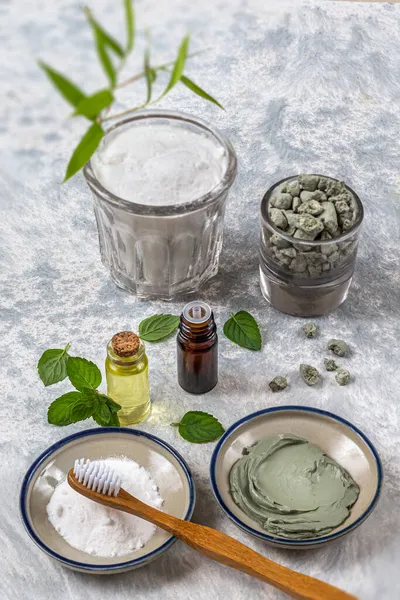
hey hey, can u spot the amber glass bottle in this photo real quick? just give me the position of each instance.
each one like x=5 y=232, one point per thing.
x=197 y=349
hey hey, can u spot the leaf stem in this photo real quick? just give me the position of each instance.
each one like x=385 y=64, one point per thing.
x=174 y=424
x=122 y=113
x=161 y=67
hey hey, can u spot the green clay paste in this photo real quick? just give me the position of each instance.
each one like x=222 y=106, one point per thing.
x=291 y=488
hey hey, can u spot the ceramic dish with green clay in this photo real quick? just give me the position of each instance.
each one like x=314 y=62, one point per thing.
x=339 y=459
x=165 y=465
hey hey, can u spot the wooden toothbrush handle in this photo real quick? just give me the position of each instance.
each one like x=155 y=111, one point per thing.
x=226 y=550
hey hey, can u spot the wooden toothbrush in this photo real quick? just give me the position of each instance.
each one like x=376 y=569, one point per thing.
x=99 y=483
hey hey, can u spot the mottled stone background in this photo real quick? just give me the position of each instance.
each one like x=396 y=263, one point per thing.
x=312 y=87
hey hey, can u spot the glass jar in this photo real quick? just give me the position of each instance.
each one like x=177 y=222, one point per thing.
x=127 y=374
x=301 y=277
x=160 y=251
x=197 y=349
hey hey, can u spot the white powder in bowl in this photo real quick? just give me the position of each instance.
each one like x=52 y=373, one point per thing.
x=102 y=531
x=159 y=164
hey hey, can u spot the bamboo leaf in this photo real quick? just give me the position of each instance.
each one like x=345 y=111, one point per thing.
x=100 y=32
x=179 y=65
x=130 y=25
x=84 y=150
x=150 y=75
x=67 y=89
x=91 y=106
x=199 y=91
x=103 y=41
x=105 y=59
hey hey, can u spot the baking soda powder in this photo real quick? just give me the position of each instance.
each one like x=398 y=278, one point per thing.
x=159 y=164
x=102 y=531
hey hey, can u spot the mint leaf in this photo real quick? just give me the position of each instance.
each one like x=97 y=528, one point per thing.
x=113 y=406
x=102 y=415
x=105 y=411
x=83 y=408
x=67 y=89
x=59 y=411
x=197 y=90
x=130 y=24
x=199 y=427
x=52 y=365
x=91 y=106
x=178 y=67
x=114 y=421
x=157 y=327
x=83 y=373
x=84 y=150
x=242 y=329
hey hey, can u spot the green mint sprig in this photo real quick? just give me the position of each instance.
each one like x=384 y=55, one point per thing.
x=242 y=329
x=55 y=365
x=112 y=56
x=199 y=427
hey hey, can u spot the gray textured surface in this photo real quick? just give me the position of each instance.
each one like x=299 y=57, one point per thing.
x=312 y=88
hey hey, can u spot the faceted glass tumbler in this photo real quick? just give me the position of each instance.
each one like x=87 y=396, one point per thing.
x=306 y=278
x=162 y=251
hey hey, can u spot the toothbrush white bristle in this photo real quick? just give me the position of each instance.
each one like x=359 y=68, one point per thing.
x=97 y=476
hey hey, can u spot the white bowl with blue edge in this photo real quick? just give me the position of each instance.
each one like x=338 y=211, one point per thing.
x=166 y=466
x=338 y=438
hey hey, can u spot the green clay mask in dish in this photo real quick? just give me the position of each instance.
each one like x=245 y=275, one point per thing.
x=292 y=488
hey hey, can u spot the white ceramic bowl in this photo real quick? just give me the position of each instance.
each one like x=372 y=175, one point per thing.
x=338 y=438
x=166 y=466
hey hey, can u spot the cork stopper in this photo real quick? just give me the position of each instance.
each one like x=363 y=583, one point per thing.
x=125 y=343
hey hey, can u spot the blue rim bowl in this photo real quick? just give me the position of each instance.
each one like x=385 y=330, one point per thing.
x=45 y=457
x=288 y=542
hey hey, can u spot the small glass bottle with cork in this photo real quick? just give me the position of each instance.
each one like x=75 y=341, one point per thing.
x=127 y=374
x=197 y=349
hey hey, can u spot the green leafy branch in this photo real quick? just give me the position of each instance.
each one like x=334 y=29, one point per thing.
x=56 y=365
x=112 y=56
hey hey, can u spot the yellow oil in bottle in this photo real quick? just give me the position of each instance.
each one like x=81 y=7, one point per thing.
x=127 y=374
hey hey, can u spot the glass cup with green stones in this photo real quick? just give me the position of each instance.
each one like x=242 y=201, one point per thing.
x=306 y=277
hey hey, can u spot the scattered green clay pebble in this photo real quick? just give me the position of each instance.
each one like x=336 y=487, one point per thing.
x=310 y=329
x=342 y=377
x=309 y=374
x=330 y=364
x=278 y=383
x=338 y=347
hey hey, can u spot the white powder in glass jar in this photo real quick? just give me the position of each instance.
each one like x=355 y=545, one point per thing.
x=159 y=164
x=102 y=531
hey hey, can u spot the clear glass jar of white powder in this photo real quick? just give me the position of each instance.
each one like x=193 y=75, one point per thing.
x=160 y=181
